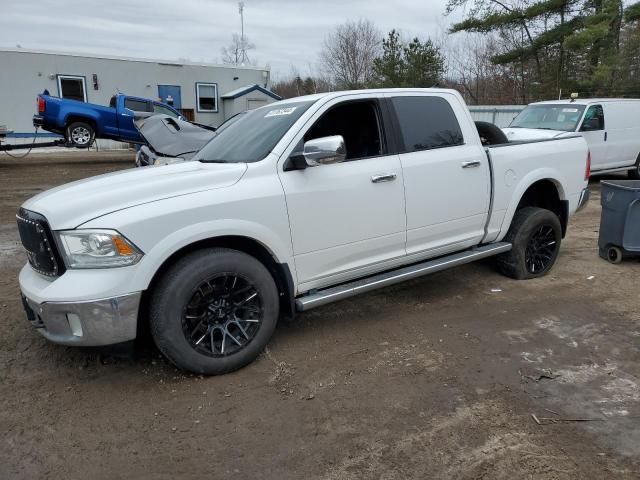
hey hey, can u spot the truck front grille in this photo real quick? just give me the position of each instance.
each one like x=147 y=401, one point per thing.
x=37 y=240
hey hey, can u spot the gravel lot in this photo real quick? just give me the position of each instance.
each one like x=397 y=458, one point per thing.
x=435 y=378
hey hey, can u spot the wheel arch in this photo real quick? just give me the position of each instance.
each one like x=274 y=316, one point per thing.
x=546 y=192
x=281 y=272
x=74 y=117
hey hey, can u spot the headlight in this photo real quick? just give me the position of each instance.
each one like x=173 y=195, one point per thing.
x=97 y=249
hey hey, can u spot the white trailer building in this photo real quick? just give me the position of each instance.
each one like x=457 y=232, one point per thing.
x=205 y=93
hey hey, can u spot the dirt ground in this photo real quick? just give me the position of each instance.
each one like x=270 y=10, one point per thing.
x=435 y=378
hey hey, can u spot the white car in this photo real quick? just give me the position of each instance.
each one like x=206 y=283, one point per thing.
x=294 y=205
x=610 y=126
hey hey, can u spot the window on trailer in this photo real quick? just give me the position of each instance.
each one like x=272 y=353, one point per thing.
x=72 y=87
x=207 y=94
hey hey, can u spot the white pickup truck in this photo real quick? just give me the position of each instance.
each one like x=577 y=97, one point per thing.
x=289 y=207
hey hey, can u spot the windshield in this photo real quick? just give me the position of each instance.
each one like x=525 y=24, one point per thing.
x=549 y=117
x=251 y=135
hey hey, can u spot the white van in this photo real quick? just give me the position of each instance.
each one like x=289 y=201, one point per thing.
x=610 y=126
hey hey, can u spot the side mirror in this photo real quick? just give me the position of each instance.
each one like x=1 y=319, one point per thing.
x=324 y=151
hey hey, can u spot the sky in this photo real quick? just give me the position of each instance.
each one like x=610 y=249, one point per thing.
x=286 y=33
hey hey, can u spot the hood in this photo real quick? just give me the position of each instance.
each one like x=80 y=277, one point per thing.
x=73 y=204
x=171 y=137
x=517 y=134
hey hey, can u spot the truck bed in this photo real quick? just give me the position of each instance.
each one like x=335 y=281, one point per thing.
x=514 y=165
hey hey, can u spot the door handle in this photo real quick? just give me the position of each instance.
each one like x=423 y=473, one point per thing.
x=472 y=164
x=387 y=177
x=605 y=136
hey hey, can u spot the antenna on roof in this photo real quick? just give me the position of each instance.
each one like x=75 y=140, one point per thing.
x=244 y=58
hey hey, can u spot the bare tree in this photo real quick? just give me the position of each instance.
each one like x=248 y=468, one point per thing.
x=238 y=50
x=470 y=70
x=296 y=84
x=349 y=51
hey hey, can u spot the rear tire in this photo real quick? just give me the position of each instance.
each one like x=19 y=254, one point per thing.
x=536 y=235
x=490 y=134
x=80 y=134
x=214 y=311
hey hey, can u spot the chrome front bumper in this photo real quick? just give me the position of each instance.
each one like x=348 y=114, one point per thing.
x=584 y=199
x=88 y=323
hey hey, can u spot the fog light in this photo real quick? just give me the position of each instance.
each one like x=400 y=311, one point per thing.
x=74 y=324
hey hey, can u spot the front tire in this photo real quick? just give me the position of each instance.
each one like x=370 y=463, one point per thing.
x=80 y=134
x=536 y=235
x=214 y=311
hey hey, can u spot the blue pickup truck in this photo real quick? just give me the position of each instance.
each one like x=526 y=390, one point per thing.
x=81 y=123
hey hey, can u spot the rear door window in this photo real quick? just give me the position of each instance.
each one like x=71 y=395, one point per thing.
x=427 y=123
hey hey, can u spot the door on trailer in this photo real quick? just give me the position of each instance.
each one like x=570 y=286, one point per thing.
x=72 y=87
x=347 y=219
x=171 y=95
x=593 y=131
x=253 y=103
x=446 y=174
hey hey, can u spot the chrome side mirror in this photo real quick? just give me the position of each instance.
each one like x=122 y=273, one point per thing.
x=324 y=151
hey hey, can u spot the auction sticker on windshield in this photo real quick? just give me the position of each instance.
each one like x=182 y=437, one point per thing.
x=280 y=111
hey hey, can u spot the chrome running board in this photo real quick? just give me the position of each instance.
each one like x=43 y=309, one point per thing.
x=322 y=297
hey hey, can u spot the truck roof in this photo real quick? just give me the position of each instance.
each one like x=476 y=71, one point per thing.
x=585 y=101
x=318 y=96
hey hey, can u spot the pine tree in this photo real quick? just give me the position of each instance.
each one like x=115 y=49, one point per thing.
x=389 y=67
x=571 y=43
x=417 y=64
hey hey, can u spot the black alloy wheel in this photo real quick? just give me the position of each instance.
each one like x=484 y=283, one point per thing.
x=535 y=236
x=541 y=249
x=223 y=315
x=214 y=310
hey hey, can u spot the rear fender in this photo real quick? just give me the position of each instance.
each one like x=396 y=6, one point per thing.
x=537 y=175
x=89 y=117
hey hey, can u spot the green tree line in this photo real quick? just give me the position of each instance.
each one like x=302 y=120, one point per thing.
x=513 y=51
x=553 y=46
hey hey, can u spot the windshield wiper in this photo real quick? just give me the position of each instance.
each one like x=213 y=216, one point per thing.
x=213 y=161
x=184 y=153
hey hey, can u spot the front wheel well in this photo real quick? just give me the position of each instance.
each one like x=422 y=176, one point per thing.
x=280 y=271
x=545 y=194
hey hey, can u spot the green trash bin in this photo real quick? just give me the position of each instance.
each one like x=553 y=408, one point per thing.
x=620 y=220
